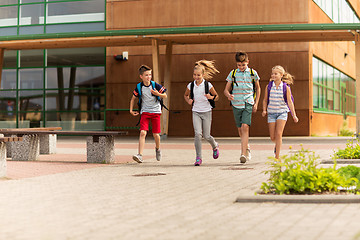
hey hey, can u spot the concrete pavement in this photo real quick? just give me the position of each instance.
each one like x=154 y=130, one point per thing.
x=171 y=199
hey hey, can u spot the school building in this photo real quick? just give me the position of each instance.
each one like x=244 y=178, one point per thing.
x=74 y=63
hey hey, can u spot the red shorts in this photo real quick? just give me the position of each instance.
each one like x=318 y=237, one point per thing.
x=155 y=121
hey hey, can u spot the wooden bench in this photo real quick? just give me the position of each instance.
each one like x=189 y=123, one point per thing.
x=100 y=144
x=4 y=140
x=47 y=141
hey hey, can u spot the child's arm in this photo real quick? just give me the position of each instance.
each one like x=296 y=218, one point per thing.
x=291 y=104
x=156 y=93
x=214 y=96
x=264 y=112
x=257 y=98
x=229 y=96
x=134 y=113
x=187 y=97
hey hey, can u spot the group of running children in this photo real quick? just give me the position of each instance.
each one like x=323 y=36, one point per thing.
x=242 y=90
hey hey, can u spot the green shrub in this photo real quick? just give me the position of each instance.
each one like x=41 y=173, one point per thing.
x=299 y=174
x=351 y=151
x=350 y=171
x=345 y=130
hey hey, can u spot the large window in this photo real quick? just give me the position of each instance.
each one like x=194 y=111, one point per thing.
x=339 y=11
x=333 y=91
x=18 y=17
x=54 y=87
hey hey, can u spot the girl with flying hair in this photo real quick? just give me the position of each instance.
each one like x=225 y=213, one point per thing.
x=201 y=95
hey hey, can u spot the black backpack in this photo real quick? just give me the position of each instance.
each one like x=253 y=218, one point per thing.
x=206 y=84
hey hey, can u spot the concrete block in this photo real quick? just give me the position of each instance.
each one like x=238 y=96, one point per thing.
x=100 y=149
x=48 y=143
x=26 y=150
x=2 y=159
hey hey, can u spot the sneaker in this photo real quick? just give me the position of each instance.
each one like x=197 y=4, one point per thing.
x=216 y=152
x=198 y=161
x=248 y=153
x=137 y=158
x=243 y=159
x=158 y=154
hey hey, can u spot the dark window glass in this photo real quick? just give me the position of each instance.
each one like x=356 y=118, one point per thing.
x=31 y=78
x=32 y=58
x=75 y=57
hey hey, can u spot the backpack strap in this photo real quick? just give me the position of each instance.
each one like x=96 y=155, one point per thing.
x=192 y=90
x=233 y=72
x=206 y=83
x=268 y=90
x=252 y=75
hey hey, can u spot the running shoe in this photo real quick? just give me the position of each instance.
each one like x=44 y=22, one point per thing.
x=216 y=152
x=158 y=154
x=198 y=161
x=243 y=159
x=248 y=154
x=137 y=158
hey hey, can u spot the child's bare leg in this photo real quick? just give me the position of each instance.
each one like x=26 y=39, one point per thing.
x=272 y=131
x=157 y=140
x=142 y=141
x=279 y=129
x=244 y=138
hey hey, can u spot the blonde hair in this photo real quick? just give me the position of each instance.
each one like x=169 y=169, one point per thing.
x=207 y=68
x=287 y=77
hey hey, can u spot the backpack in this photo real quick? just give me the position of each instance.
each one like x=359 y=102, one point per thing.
x=138 y=87
x=206 y=84
x=284 y=93
x=252 y=75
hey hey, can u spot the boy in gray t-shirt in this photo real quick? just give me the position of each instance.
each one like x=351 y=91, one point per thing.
x=149 y=93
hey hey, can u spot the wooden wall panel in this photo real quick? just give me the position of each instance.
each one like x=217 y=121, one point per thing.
x=356 y=5
x=321 y=129
x=165 y=13
x=123 y=76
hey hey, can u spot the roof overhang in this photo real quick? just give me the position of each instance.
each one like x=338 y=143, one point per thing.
x=190 y=35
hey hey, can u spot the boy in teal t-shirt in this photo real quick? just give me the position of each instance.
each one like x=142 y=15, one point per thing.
x=241 y=87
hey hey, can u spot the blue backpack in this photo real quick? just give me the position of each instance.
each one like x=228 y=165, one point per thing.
x=138 y=87
x=284 y=93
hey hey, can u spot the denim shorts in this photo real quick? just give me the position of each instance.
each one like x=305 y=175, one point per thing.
x=272 y=117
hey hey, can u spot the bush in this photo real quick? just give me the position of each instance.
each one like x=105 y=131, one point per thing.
x=299 y=174
x=351 y=151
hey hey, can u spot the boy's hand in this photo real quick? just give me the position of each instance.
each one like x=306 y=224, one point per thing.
x=155 y=92
x=255 y=108
x=230 y=97
x=190 y=101
x=134 y=113
x=263 y=113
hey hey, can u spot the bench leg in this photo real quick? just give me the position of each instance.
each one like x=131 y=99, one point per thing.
x=48 y=143
x=26 y=150
x=2 y=159
x=101 y=151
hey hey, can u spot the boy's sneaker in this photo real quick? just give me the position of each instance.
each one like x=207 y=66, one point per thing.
x=248 y=153
x=216 y=152
x=158 y=154
x=198 y=161
x=137 y=158
x=243 y=159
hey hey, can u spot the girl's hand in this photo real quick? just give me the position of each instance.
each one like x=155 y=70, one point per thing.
x=263 y=113
x=295 y=119
x=134 y=113
x=209 y=96
x=190 y=101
